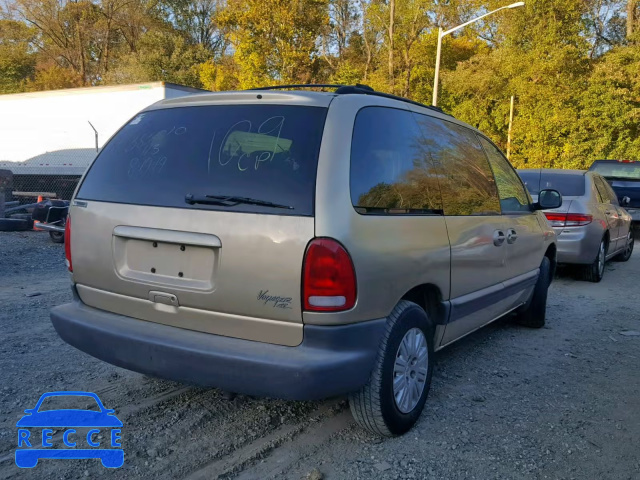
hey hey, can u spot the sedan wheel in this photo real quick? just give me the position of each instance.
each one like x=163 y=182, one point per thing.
x=595 y=271
x=601 y=258
x=628 y=249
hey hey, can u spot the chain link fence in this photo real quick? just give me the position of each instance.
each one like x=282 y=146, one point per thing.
x=52 y=174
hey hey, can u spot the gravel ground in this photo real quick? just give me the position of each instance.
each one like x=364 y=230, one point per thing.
x=562 y=402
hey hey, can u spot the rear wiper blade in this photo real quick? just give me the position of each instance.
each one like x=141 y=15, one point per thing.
x=230 y=201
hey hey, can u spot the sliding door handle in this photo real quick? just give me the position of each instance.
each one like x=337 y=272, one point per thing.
x=498 y=238
x=512 y=236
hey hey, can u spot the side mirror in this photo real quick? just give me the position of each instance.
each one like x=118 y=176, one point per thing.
x=625 y=201
x=548 y=200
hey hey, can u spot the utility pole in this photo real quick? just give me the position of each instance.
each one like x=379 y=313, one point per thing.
x=509 y=131
x=631 y=17
x=392 y=16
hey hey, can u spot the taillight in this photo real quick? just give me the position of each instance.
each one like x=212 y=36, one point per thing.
x=568 y=219
x=67 y=244
x=556 y=219
x=577 y=220
x=328 y=276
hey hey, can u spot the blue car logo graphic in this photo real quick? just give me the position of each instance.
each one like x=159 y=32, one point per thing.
x=32 y=447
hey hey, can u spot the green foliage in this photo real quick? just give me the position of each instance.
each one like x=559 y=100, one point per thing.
x=220 y=75
x=572 y=65
x=161 y=55
x=275 y=41
x=53 y=77
x=609 y=125
x=17 y=63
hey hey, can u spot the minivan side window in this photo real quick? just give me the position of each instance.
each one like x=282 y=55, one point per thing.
x=513 y=196
x=466 y=180
x=390 y=172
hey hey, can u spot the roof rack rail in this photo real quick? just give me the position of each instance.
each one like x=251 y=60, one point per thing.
x=358 y=88
x=301 y=85
x=366 y=90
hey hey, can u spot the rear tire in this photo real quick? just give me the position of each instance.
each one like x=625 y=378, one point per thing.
x=534 y=313
x=57 y=237
x=595 y=271
x=393 y=399
x=628 y=249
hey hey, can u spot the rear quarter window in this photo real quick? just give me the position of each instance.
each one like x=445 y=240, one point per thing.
x=567 y=184
x=391 y=171
x=263 y=152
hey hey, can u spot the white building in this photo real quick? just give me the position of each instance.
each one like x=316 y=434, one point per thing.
x=48 y=133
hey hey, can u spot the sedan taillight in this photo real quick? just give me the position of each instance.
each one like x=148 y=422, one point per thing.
x=556 y=219
x=578 y=220
x=568 y=219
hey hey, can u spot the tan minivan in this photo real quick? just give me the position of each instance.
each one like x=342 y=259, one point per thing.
x=301 y=245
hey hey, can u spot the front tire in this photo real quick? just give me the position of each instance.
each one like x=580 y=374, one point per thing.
x=595 y=271
x=534 y=313
x=393 y=399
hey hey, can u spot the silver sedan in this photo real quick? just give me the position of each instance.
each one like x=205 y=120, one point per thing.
x=591 y=226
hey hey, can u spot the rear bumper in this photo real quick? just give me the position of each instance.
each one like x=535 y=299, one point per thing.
x=578 y=244
x=331 y=360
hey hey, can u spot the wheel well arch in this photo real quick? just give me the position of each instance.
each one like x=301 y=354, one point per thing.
x=552 y=255
x=429 y=297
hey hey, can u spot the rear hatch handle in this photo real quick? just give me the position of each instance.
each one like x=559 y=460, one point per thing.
x=168 y=236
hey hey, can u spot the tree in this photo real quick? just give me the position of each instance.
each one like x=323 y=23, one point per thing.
x=219 y=75
x=50 y=76
x=542 y=58
x=604 y=25
x=86 y=37
x=66 y=33
x=197 y=20
x=17 y=61
x=161 y=56
x=609 y=125
x=343 y=22
x=632 y=6
x=275 y=41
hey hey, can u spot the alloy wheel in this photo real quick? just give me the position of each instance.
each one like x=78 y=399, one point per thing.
x=629 y=247
x=410 y=370
x=601 y=258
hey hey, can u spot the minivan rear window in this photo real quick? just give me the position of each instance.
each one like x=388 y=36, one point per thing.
x=246 y=158
x=567 y=184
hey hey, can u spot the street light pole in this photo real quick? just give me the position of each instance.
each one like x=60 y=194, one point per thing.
x=434 y=101
x=451 y=30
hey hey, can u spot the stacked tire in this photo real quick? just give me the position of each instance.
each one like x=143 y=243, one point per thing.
x=15 y=224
